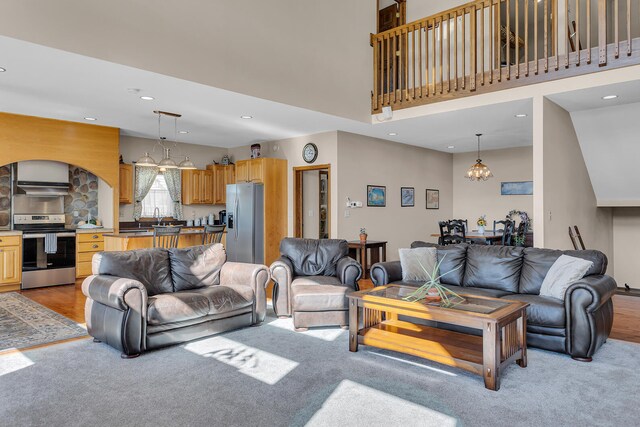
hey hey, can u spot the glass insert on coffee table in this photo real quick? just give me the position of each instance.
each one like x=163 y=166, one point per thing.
x=373 y=320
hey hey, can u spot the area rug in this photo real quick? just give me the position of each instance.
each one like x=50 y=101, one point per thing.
x=25 y=323
x=273 y=376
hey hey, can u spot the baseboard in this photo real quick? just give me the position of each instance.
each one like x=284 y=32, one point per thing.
x=632 y=292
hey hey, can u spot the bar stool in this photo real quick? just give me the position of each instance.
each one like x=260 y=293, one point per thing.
x=166 y=237
x=212 y=234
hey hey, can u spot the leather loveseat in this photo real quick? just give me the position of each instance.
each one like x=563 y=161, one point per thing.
x=149 y=298
x=578 y=326
x=312 y=280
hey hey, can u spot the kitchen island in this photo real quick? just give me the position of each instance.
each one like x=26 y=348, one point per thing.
x=143 y=238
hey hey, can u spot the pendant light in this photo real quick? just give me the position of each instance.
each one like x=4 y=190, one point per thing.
x=167 y=162
x=479 y=171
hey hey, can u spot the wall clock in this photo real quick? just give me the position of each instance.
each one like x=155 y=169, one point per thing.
x=310 y=152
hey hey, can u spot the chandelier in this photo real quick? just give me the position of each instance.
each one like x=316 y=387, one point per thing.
x=167 y=162
x=479 y=171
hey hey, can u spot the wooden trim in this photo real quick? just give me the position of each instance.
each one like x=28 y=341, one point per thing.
x=298 y=201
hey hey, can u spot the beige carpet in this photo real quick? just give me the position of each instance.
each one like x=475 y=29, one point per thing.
x=25 y=323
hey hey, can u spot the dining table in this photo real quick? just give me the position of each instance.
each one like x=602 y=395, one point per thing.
x=488 y=236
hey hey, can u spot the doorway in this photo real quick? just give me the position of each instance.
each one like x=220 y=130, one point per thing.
x=312 y=201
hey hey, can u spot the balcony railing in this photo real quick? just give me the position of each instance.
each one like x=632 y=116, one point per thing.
x=490 y=45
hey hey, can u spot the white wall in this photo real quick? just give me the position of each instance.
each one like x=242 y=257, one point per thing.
x=472 y=199
x=568 y=197
x=311 y=204
x=364 y=160
x=626 y=235
x=291 y=149
x=311 y=54
x=132 y=148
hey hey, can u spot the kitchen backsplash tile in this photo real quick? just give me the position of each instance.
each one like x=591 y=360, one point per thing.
x=83 y=195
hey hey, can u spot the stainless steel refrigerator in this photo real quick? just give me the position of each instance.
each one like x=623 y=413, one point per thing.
x=245 y=223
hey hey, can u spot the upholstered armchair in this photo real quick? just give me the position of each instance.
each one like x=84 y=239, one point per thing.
x=312 y=280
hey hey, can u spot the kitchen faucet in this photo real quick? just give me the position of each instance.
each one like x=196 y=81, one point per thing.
x=156 y=214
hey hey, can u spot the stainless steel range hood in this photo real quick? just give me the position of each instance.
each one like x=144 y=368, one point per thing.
x=43 y=189
x=43 y=178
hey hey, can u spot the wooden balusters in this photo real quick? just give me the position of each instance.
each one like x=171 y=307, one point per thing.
x=588 y=31
x=546 y=34
x=628 y=27
x=577 y=30
x=602 y=33
x=517 y=39
x=535 y=37
x=433 y=55
x=526 y=37
x=474 y=48
x=498 y=29
x=464 y=48
x=616 y=30
x=482 y=44
x=508 y=37
x=455 y=50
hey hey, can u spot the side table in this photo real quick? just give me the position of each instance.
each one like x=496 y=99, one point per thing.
x=368 y=253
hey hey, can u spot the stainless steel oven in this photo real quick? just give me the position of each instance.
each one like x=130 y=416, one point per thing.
x=40 y=268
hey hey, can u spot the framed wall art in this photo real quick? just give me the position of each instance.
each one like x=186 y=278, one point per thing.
x=376 y=196
x=433 y=199
x=407 y=197
x=521 y=188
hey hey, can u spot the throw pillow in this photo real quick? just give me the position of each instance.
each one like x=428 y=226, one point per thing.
x=413 y=261
x=562 y=274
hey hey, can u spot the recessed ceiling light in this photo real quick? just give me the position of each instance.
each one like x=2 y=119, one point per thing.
x=451 y=146
x=91 y=119
x=147 y=98
x=2 y=70
x=246 y=117
x=609 y=97
x=520 y=116
x=183 y=131
x=392 y=134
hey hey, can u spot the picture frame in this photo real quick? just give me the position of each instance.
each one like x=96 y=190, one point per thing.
x=376 y=196
x=516 y=188
x=407 y=197
x=433 y=198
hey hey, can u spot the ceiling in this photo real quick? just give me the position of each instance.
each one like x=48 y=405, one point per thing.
x=46 y=82
x=591 y=98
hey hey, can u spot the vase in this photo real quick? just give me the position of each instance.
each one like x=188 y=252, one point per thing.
x=481 y=229
x=363 y=238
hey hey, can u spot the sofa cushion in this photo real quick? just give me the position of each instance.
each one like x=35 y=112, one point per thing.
x=537 y=263
x=493 y=267
x=418 y=263
x=478 y=292
x=196 y=266
x=315 y=280
x=151 y=267
x=176 y=307
x=542 y=311
x=314 y=257
x=187 y=305
x=451 y=256
x=319 y=297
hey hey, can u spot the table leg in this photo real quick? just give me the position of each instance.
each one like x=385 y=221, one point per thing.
x=363 y=261
x=522 y=332
x=491 y=356
x=354 y=324
x=384 y=252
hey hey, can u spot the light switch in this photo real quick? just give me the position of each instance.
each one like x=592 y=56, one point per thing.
x=310 y=212
x=347 y=213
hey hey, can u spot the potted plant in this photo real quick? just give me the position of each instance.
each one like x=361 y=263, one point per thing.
x=482 y=223
x=363 y=235
x=432 y=291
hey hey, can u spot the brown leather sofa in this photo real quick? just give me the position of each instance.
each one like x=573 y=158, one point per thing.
x=312 y=280
x=149 y=298
x=577 y=325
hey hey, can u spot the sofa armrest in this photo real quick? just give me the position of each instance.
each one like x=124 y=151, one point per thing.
x=349 y=271
x=111 y=291
x=383 y=273
x=589 y=312
x=250 y=280
x=282 y=275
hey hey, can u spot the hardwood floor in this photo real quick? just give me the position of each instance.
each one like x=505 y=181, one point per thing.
x=69 y=301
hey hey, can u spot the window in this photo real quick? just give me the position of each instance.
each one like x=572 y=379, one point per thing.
x=158 y=197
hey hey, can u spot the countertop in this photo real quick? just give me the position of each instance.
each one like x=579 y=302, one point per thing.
x=11 y=233
x=93 y=230
x=128 y=234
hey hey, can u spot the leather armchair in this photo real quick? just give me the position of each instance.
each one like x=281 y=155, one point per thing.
x=170 y=296
x=312 y=279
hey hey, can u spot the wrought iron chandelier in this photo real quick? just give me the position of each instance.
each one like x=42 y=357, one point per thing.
x=167 y=162
x=479 y=171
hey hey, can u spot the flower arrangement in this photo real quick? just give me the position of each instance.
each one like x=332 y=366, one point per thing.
x=482 y=221
x=432 y=290
x=522 y=214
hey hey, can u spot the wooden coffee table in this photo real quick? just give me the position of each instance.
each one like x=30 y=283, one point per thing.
x=373 y=321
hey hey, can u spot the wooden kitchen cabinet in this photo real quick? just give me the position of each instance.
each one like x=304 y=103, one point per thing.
x=242 y=171
x=207 y=187
x=10 y=263
x=87 y=244
x=197 y=187
x=126 y=183
x=222 y=176
x=252 y=170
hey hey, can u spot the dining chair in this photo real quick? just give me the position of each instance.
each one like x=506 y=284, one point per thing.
x=521 y=233
x=452 y=232
x=465 y=222
x=213 y=234
x=166 y=237
x=507 y=231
